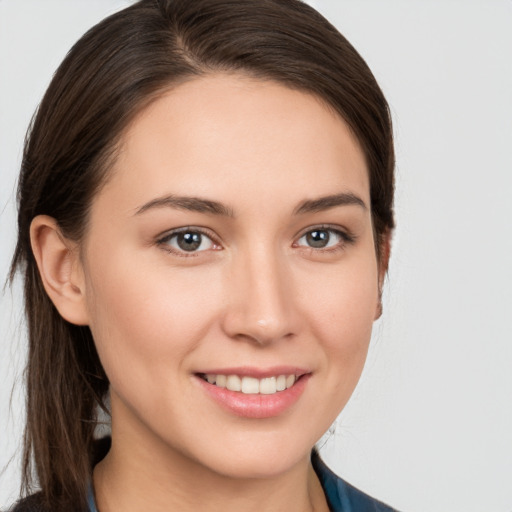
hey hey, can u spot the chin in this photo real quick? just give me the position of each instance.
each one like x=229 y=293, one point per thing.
x=258 y=459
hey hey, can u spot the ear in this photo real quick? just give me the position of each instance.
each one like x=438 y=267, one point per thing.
x=60 y=269
x=385 y=252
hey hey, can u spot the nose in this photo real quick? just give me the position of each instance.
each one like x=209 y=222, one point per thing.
x=260 y=305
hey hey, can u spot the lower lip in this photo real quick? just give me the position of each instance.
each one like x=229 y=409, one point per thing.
x=255 y=406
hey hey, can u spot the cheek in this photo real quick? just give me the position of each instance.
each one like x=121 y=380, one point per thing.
x=345 y=299
x=341 y=309
x=338 y=306
x=139 y=315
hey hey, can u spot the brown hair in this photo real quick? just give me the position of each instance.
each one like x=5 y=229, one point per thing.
x=110 y=74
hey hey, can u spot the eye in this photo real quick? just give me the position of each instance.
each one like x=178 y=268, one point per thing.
x=323 y=238
x=187 y=241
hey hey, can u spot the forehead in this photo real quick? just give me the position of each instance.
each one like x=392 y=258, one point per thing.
x=225 y=135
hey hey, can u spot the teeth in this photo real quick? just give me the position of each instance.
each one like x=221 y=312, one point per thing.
x=281 y=383
x=268 y=386
x=251 y=385
x=220 y=381
x=234 y=383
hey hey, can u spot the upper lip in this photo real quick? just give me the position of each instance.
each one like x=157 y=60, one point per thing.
x=258 y=373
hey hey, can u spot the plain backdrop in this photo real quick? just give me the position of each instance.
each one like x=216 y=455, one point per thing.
x=429 y=428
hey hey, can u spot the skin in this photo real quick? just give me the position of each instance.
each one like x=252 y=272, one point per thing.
x=255 y=294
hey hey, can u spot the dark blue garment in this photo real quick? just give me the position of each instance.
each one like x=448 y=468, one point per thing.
x=341 y=496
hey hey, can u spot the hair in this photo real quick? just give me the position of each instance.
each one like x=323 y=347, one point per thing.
x=113 y=72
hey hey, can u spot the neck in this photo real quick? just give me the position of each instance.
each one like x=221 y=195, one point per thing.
x=137 y=479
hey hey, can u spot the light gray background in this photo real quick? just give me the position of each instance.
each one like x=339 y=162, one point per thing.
x=429 y=428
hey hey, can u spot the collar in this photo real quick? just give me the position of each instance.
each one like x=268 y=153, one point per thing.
x=342 y=496
x=91 y=502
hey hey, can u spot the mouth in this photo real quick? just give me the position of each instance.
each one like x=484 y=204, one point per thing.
x=251 y=385
x=254 y=394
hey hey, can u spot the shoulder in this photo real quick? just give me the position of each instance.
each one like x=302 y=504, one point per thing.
x=35 y=502
x=342 y=496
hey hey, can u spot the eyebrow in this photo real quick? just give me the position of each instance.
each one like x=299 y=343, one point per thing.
x=327 y=202
x=194 y=204
x=198 y=204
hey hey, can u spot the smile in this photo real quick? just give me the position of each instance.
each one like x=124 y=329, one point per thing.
x=253 y=393
x=251 y=385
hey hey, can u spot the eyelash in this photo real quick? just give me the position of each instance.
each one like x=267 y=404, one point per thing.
x=345 y=239
x=164 y=241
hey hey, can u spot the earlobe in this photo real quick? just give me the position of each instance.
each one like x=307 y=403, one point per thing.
x=60 y=269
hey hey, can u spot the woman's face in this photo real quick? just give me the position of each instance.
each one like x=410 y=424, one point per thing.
x=233 y=241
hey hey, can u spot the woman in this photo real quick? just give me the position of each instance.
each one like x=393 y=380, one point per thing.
x=205 y=212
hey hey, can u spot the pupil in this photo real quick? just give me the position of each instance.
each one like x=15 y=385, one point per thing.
x=318 y=239
x=189 y=241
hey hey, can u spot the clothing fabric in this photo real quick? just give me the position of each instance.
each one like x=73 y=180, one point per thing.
x=340 y=495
